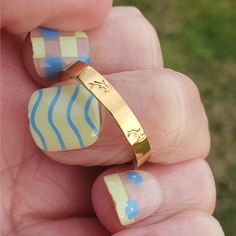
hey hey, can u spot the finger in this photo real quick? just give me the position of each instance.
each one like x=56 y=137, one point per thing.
x=192 y=223
x=104 y=47
x=124 y=198
x=61 y=227
x=41 y=187
x=45 y=189
x=169 y=109
x=23 y=16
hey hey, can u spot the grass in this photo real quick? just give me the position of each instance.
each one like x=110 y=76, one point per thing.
x=198 y=39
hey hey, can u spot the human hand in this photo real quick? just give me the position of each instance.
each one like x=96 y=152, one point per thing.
x=43 y=196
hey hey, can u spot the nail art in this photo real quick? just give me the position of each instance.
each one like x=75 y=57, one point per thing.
x=124 y=206
x=135 y=177
x=53 y=50
x=132 y=194
x=131 y=209
x=64 y=118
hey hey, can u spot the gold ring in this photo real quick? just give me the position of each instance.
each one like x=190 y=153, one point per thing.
x=100 y=88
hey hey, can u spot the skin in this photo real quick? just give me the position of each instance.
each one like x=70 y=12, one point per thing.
x=55 y=193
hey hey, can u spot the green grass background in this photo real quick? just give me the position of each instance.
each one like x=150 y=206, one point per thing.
x=198 y=38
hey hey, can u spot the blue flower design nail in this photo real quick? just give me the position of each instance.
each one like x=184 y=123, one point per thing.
x=131 y=209
x=135 y=177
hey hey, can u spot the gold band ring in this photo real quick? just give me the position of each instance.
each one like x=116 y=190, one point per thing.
x=100 y=88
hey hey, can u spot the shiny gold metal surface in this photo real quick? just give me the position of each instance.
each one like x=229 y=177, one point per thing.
x=115 y=104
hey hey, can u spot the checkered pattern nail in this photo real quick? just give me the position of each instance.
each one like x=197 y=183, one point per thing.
x=53 y=50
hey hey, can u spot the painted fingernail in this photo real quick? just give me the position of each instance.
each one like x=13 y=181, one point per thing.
x=136 y=195
x=64 y=118
x=53 y=50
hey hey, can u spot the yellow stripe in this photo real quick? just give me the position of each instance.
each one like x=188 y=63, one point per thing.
x=41 y=119
x=60 y=119
x=38 y=48
x=68 y=46
x=36 y=138
x=81 y=34
x=119 y=196
x=30 y=107
x=94 y=113
x=78 y=118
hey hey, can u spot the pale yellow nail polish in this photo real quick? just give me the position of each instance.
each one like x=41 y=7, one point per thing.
x=136 y=195
x=64 y=118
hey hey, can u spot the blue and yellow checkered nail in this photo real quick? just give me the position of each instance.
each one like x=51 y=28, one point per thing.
x=53 y=50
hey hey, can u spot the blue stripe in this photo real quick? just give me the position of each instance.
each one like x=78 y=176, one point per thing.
x=87 y=117
x=49 y=33
x=50 y=119
x=53 y=65
x=32 y=120
x=84 y=59
x=68 y=114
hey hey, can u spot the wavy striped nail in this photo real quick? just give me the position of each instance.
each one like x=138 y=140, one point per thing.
x=53 y=50
x=64 y=118
x=136 y=195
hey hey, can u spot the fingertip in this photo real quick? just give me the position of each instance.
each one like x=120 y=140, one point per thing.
x=22 y=16
x=47 y=51
x=192 y=223
x=122 y=197
x=89 y=15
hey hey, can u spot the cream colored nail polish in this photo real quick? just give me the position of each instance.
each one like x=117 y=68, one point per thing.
x=64 y=118
x=136 y=195
x=53 y=50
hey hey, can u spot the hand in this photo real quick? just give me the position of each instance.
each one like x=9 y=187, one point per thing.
x=54 y=193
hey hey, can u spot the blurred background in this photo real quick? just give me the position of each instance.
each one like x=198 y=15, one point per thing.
x=198 y=38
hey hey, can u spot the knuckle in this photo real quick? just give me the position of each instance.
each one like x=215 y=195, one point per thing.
x=200 y=220
x=133 y=11
x=191 y=132
x=149 y=40
x=91 y=9
x=198 y=132
x=188 y=87
x=207 y=197
x=208 y=220
x=142 y=37
x=183 y=86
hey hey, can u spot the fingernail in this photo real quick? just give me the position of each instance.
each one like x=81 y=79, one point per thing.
x=136 y=195
x=64 y=118
x=53 y=50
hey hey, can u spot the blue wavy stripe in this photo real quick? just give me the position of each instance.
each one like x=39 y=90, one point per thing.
x=50 y=119
x=32 y=120
x=87 y=117
x=68 y=114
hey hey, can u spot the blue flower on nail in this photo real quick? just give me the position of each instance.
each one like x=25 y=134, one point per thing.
x=135 y=177
x=131 y=209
